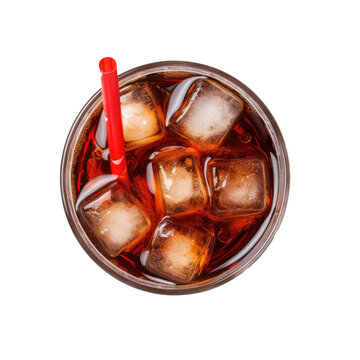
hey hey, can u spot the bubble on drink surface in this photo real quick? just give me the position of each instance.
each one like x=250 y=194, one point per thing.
x=179 y=252
x=97 y=153
x=179 y=181
x=244 y=136
x=116 y=219
x=142 y=117
x=224 y=236
x=207 y=114
x=238 y=186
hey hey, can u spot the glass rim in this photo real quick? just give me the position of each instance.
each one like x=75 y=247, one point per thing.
x=279 y=206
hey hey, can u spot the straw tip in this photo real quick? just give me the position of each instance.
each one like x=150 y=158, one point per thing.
x=107 y=65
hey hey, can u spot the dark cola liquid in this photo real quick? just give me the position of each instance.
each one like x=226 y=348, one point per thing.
x=234 y=237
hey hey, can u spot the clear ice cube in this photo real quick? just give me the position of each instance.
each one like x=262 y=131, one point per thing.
x=207 y=114
x=237 y=186
x=179 y=252
x=179 y=183
x=116 y=219
x=142 y=117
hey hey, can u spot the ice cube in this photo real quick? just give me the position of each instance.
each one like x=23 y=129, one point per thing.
x=142 y=117
x=179 y=183
x=116 y=219
x=207 y=114
x=238 y=186
x=179 y=252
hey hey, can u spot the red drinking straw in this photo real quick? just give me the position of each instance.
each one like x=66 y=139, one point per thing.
x=112 y=110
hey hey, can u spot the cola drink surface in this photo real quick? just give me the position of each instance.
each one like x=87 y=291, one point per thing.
x=204 y=177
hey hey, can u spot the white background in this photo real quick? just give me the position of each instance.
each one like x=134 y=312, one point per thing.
x=300 y=300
